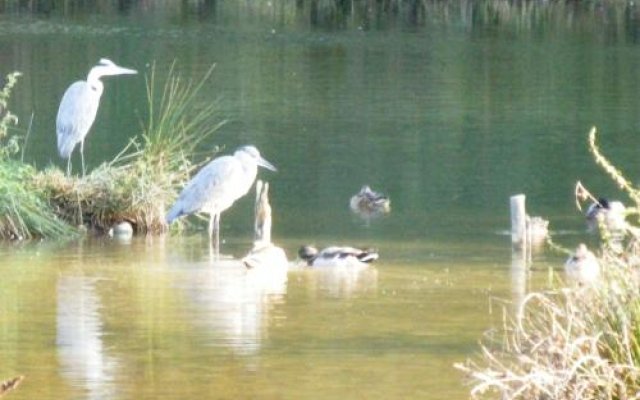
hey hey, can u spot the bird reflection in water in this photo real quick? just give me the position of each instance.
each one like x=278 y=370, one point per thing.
x=232 y=304
x=81 y=351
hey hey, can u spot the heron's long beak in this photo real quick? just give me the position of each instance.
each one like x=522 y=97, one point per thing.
x=266 y=164
x=122 y=71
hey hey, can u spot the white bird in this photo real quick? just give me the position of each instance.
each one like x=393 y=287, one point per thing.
x=369 y=202
x=218 y=185
x=78 y=109
x=336 y=256
x=582 y=266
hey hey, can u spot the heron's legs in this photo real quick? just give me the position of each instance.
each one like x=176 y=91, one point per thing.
x=211 y=223
x=81 y=156
x=69 y=165
x=214 y=231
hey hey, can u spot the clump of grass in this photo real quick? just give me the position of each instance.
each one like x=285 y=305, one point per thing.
x=572 y=342
x=24 y=212
x=141 y=182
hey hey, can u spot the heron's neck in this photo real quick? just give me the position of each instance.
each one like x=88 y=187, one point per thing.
x=249 y=167
x=93 y=79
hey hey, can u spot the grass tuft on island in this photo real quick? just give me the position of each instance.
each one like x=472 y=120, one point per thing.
x=136 y=186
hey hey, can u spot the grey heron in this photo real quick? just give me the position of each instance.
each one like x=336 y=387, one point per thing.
x=336 y=256
x=79 y=106
x=218 y=185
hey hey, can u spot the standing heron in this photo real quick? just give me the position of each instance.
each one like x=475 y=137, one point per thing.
x=78 y=109
x=218 y=185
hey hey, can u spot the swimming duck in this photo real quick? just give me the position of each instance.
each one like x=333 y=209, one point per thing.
x=368 y=201
x=336 y=256
x=611 y=213
x=537 y=230
x=582 y=266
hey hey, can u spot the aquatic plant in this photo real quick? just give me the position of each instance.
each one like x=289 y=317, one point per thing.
x=571 y=342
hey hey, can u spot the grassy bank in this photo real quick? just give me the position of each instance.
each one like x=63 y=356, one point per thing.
x=136 y=186
x=574 y=341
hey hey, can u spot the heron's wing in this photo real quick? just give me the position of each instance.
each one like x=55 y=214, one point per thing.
x=76 y=114
x=214 y=188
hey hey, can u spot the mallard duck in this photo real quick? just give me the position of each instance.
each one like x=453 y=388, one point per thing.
x=336 y=256
x=583 y=265
x=368 y=201
x=610 y=213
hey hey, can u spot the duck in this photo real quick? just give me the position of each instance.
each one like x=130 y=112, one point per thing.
x=582 y=266
x=368 y=201
x=336 y=256
x=537 y=230
x=610 y=213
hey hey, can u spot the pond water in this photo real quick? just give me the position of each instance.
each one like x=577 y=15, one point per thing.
x=448 y=108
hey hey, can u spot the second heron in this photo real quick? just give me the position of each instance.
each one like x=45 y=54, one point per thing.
x=218 y=185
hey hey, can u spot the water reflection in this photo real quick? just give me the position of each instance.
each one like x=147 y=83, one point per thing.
x=233 y=305
x=83 y=359
x=352 y=14
x=341 y=282
x=519 y=271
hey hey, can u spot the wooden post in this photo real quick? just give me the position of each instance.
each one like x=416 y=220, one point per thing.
x=518 y=221
x=262 y=224
x=264 y=253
